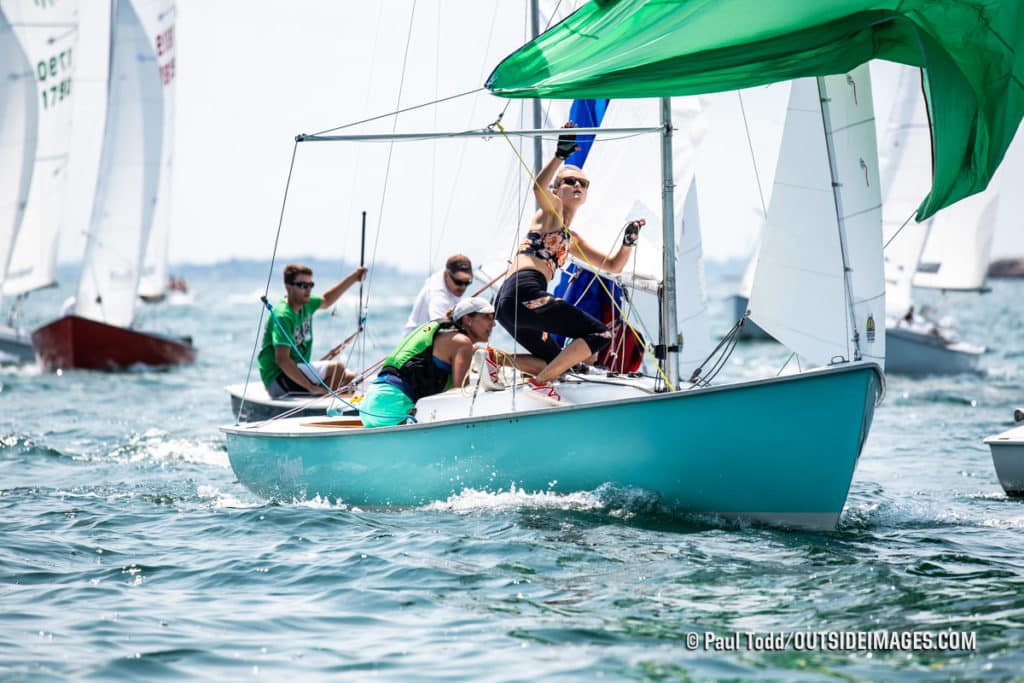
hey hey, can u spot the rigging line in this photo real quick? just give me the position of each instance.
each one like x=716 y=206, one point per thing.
x=912 y=213
x=657 y=365
x=547 y=25
x=433 y=150
x=465 y=143
x=698 y=371
x=397 y=112
x=791 y=357
x=270 y=274
x=719 y=365
x=753 y=158
x=391 y=149
x=359 y=148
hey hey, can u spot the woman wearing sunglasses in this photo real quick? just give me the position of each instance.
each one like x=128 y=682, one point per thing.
x=524 y=307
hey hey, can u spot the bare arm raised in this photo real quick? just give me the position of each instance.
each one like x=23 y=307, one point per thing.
x=608 y=263
x=334 y=293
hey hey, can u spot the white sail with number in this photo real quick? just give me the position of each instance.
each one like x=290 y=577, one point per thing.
x=159 y=24
x=47 y=33
x=132 y=161
x=17 y=134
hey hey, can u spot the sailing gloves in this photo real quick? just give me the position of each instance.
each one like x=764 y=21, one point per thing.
x=632 y=232
x=566 y=145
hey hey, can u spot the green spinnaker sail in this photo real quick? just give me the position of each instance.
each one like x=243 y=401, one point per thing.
x=656 y=48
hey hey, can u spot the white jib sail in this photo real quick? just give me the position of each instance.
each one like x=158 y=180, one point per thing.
x=159 y=19
x=800 y=295
x=905 y=165
x=959 y=244
x=129 y=176
x=18 y=114
x=48 y=35
x=691 y=289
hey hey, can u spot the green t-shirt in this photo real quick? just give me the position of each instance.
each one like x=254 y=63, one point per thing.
x=296 y=325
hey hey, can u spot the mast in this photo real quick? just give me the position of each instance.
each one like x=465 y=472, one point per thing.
x=538 y=150
x=670 y=341
x=826 y=122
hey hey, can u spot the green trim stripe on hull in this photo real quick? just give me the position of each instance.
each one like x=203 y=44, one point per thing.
x=780 y=450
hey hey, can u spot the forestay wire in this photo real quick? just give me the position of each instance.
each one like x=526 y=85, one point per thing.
x=387 y=167
x=266 y=287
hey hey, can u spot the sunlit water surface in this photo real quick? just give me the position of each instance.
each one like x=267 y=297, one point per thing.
x=129 y=551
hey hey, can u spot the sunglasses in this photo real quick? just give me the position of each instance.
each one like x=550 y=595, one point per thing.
x=302 y=285
x=460 y=283
x=573 y=180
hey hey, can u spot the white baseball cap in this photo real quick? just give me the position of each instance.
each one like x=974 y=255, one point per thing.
x=473 y=304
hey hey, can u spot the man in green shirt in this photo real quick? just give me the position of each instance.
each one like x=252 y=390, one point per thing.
x=281 y=368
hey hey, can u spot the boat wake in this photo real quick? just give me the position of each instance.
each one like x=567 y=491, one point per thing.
x=632 y=505
x=472 y=500
x=155 y=446
x=216 y=499
x=902 y=515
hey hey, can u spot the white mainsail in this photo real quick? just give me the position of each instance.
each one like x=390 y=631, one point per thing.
x=801 y=295
x=158 y=20
x=18 y=115
x=130 y=167
x=959 y=244
x=905 y=167
x=48 y=35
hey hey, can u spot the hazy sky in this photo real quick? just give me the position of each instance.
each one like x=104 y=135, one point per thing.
x=251 y=75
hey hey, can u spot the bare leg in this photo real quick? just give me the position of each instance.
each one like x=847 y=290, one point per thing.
x=529 y=364
x=576 y=352
x=337 y=375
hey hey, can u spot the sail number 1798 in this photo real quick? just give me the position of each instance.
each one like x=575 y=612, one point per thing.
x=48 y=71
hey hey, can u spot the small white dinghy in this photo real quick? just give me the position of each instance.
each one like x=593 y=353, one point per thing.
x=251 y=403
x=1008 y=456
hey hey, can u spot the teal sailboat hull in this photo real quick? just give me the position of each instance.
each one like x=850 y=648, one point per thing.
x=781 y=450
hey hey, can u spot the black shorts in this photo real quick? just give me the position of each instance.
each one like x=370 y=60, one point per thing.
x=527 y=311
x=282 y=386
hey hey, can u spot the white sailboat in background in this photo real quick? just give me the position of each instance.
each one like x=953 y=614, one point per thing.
x=153 y=279
x=134 y=168
x=1007 y=450
x=37 y=57
x=961 y=234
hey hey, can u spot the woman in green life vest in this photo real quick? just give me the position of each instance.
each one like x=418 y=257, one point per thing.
x=432 y=358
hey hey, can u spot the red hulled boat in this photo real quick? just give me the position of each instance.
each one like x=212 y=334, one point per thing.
x=76 y=342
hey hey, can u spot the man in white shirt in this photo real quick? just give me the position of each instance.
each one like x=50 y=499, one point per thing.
x=441 y=291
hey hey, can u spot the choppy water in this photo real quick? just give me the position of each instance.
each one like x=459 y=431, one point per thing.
x=130 y=552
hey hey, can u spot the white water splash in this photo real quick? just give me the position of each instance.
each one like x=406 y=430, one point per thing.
x=471 y=500
x=324 y=503
x=224 y=501
x=154 y=446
